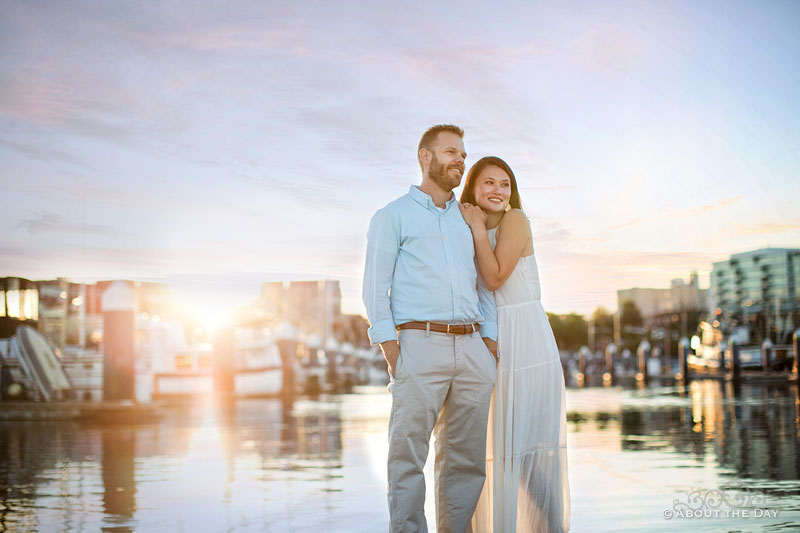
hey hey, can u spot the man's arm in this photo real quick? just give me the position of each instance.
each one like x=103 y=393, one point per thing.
x=383 y=245
x=488 y=310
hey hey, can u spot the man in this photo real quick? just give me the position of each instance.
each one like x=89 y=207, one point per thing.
x=437 y=330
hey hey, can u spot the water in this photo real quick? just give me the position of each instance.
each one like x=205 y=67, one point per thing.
x=319 y=465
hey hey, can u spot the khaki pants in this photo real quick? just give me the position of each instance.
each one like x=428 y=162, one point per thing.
x=443 y=383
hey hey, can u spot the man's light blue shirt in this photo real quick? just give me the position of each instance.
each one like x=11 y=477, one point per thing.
x=421 y=266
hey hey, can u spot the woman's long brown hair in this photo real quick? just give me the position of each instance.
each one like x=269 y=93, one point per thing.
x=468 y=194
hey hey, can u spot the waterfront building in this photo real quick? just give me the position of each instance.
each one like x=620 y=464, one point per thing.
x=19 y=304
x=70 y=313
x=311 y=306
x=317 y=304
x=760 y=290
x=681 y=302
x=272 y=301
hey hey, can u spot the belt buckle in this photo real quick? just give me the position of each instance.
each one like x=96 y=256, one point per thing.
x=448 y=329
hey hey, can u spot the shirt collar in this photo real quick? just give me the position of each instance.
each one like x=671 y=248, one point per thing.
x=425 y=200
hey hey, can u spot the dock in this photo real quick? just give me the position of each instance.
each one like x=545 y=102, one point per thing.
x=96 y=412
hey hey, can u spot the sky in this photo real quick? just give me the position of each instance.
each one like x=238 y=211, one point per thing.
x=215 y=145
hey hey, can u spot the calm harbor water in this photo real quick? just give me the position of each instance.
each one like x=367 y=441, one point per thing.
x=708 y=458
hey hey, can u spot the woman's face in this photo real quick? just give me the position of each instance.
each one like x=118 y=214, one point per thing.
x=492 y=189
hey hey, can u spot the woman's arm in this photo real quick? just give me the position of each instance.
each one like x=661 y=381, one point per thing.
x=513 y=234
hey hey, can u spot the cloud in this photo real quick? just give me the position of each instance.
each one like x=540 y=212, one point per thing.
x=43 y=152
x=653 y=214
x=548 y=230
x=51 y=222
x=31 y=99
x=769 y=227
x=703 y=209
x=580 y=280
x=276 y=129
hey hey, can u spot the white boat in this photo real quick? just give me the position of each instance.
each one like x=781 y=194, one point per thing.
x=258 y=370
x=708 y=348
x=40 y=364
x=181 y=383
x=84 y=368
x=14 y=382
x=184 y=373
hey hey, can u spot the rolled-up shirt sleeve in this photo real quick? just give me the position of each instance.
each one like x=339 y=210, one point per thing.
x=488 y=309
x=383 y=245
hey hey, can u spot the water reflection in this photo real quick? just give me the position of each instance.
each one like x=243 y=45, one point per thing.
x=319 y=464
x=750 y=429
x=119 y=486
x=102 y=477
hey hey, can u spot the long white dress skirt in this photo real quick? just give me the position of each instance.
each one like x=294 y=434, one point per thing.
x=526 y=488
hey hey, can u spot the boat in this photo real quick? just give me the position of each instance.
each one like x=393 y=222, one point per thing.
x=313 y=364
x=14 y=383
x=46 y=378
x=184 y=372
x=713 y=351
x=258 y=369
x=180 y=368
x=708 y=347
x=84 y=368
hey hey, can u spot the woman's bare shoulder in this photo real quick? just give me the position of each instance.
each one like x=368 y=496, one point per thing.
x=514 y=219
x=514 y=225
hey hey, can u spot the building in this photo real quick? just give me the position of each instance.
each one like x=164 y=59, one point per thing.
x=759 y=289
x=312 y=306
x=659 y=306
x=70 y=314
x=272 y=300
x=19 y=304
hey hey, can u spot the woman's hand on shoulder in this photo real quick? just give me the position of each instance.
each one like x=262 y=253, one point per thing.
x=473 y=215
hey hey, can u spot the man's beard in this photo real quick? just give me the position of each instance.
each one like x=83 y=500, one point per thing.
x=438 y=173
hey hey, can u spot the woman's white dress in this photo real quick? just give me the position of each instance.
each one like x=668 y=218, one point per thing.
x=526 y=488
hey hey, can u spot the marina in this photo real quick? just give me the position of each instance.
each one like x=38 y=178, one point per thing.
x=120 y=413
x=319 y=464
x=218 y=217
x=135 y=356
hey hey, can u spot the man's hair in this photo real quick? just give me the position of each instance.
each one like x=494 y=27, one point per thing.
x=429 y=137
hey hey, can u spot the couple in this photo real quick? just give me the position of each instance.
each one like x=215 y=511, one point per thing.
x=448 y=340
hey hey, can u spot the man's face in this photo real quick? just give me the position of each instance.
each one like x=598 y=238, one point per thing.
x=447 y=161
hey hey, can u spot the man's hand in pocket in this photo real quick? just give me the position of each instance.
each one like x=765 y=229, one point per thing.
x=492 y=345
x=391 y=351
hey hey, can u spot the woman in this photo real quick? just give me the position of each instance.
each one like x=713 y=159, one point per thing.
x=526 y=457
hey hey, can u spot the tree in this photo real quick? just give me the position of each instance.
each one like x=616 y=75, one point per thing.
x=571 y=331
x=631 y=324
x=603 y=325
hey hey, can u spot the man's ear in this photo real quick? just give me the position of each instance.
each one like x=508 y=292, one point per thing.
x=425 y=156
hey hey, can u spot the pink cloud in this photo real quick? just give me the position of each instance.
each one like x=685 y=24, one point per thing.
x=32 y=98
x=703 y=209
x=769 y=227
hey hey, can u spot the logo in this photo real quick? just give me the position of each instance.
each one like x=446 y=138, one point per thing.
x=723 y=503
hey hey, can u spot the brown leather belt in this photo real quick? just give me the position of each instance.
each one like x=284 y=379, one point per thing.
x=452 y=329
